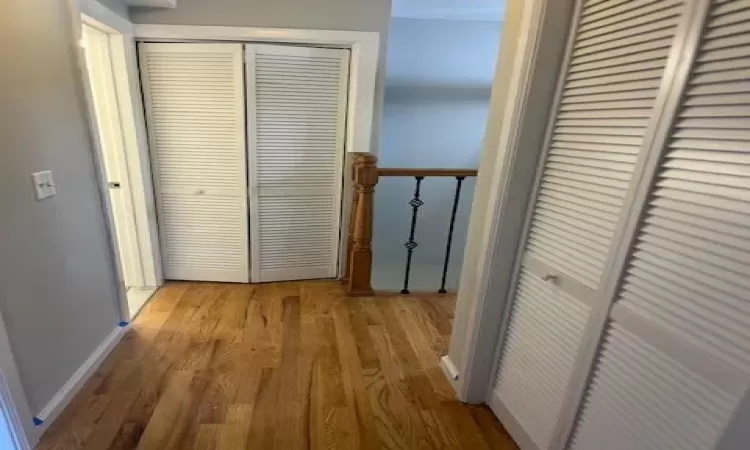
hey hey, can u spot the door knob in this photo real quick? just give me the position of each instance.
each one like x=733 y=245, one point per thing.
x=114 y=184
x=550 y=277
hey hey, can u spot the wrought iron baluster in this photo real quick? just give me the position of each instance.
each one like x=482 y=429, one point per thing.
x=456 y=199
x=411 y=244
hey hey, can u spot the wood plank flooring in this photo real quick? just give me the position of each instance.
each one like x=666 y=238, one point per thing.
x=277 y=366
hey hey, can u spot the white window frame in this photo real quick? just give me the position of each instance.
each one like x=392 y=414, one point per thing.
x=363 y=70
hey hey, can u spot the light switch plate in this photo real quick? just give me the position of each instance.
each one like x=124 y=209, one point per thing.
x=44 y=185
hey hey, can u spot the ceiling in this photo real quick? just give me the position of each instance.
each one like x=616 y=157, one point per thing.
x=449 y=9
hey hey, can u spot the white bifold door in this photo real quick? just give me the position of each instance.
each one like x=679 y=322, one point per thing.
x=674 y=363
x=630 y=323
x=247 y=151
x=296 y=103
x=608 y=103
x=195 y=104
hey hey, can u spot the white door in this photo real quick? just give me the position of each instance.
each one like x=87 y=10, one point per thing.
x=107 y=114
x=614 y=82
x=195 y=105
x=674 y=362
x=296 y=105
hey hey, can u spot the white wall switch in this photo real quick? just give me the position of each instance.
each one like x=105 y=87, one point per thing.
x=44 y=186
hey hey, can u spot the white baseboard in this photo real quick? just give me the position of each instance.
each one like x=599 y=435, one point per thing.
x=66 y=393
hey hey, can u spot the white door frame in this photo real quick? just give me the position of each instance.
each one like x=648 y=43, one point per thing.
x=104 y=93
x=133 y=128
x=484 y=294
x=363 y=69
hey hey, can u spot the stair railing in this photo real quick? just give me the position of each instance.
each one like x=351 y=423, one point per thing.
x=365 y=176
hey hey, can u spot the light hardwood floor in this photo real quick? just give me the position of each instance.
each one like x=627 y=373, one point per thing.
x=277 y=366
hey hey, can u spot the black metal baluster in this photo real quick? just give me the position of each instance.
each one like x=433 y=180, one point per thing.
x=456 y=198
x=410 y=244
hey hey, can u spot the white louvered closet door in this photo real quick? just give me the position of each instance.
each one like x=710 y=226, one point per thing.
x=195 y=103
x=296 y=115
x=612 y=87
x=675 y=360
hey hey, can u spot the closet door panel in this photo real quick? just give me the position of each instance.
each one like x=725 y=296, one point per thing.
x=195 y=111
x=642 y=397
x=612 y=88
x=296 y=114
x=675 y=361
x=542 y=339
x=609 y=94
x=202 y=239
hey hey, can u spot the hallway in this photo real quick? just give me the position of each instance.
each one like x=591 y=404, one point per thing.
x=277 y=366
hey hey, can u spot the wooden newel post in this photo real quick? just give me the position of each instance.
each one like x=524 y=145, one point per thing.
x=352 y=223
x=360 y=256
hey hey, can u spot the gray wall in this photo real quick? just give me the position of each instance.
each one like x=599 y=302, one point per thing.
x=116 y=6
x=361 y=15
x=438 y=82
x=57 y=282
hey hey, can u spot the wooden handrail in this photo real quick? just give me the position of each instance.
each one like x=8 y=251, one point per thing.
x=407 y=172
x=365 y=175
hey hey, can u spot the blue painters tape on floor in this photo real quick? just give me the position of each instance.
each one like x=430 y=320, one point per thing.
x=38 y=421
x=123 y=324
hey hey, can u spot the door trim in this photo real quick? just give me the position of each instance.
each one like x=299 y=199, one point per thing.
x=127 y=86
x=106 y=112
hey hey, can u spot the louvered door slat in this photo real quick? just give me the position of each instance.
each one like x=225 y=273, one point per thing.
x=297 y=102
x=675 y=360
x=195 y=109
x=620 y=142
x=666 y=405
x=545 y=329
x=607 y=104
x=716 y=166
